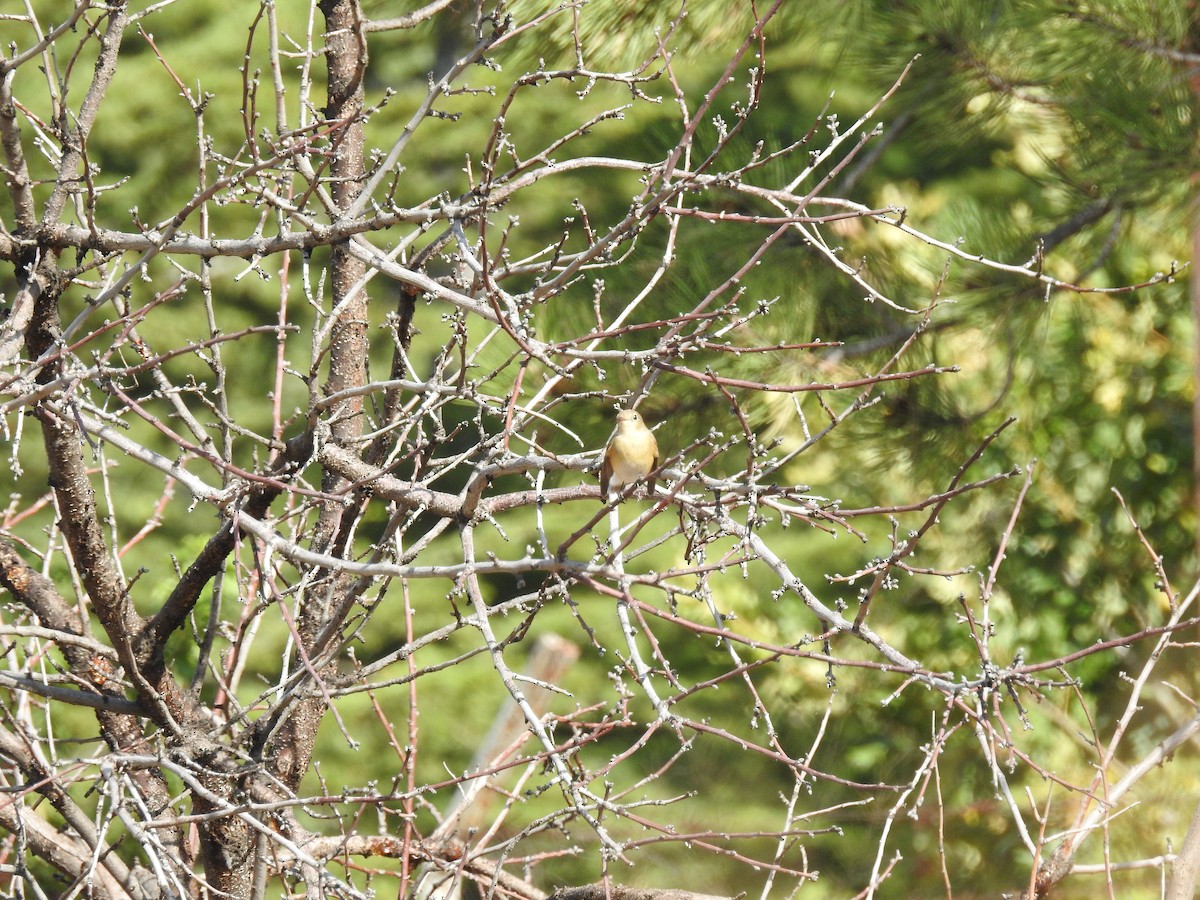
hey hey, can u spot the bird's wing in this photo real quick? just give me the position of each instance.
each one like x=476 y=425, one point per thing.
x=606 y=470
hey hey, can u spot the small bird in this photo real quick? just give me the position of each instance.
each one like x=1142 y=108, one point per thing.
x=631 y=454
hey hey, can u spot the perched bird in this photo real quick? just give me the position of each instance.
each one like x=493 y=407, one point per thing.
x=631 y=454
